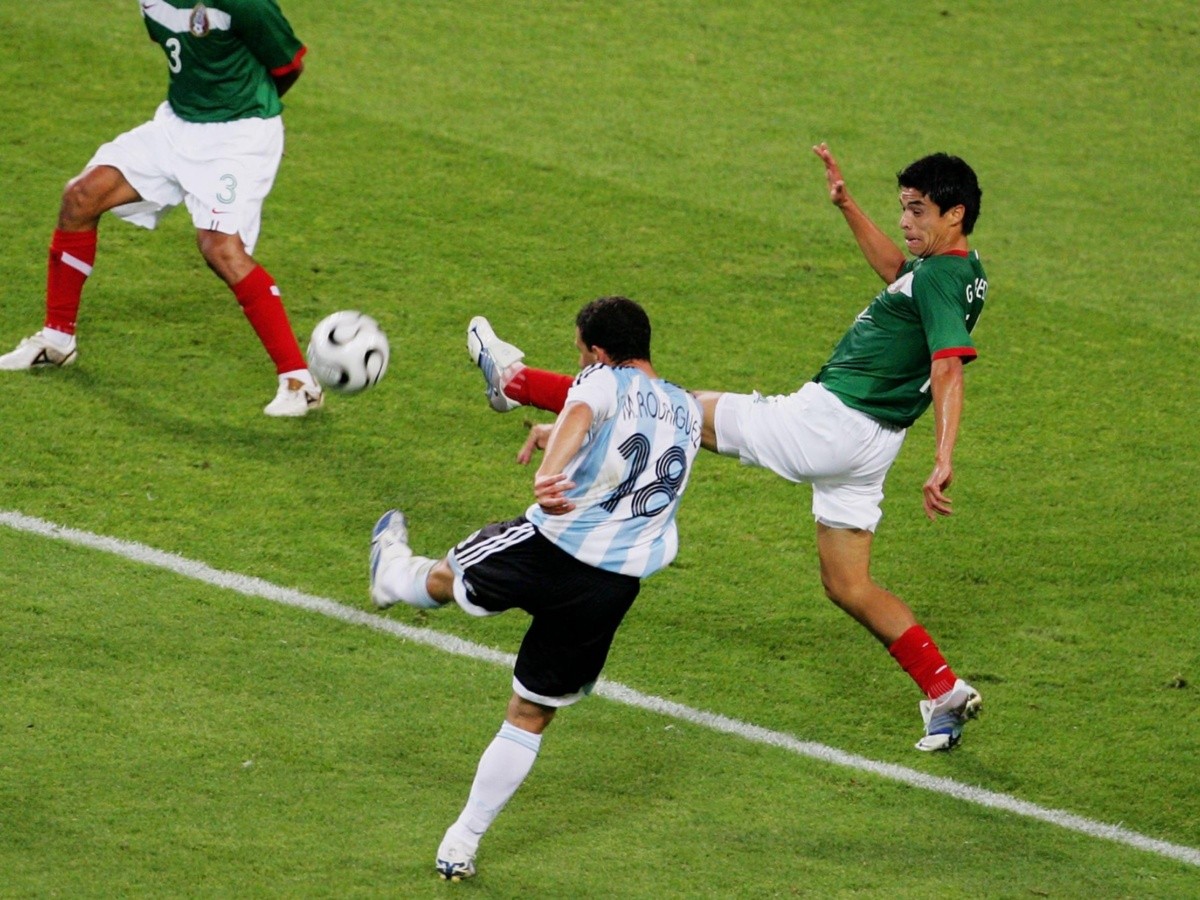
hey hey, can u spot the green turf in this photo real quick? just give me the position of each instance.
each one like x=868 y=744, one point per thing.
x=517 y=160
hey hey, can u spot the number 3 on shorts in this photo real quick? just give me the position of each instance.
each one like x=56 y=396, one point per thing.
x=230 y=193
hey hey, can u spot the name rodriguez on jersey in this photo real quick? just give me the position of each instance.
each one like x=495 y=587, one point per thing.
x=643 y=405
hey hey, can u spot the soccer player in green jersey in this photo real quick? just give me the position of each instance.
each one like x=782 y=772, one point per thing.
x=215 y=145
x=842 y=431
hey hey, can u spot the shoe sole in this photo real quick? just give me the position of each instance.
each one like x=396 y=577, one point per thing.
x=474 y=343
x=310 y=403
x=42 y=361
x=497 y=400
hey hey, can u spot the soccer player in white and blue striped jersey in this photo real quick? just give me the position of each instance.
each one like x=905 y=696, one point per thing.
x=616 y=463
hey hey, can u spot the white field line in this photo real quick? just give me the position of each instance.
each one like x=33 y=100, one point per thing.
x=257 y=587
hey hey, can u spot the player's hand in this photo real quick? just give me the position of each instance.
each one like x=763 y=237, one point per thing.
x=549 y=491
x=936 y=485
x=838 y=195
x=539 y=435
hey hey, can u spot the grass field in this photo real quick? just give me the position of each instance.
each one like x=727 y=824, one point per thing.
x=163 y=736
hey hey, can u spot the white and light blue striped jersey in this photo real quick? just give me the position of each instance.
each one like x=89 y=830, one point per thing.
x=629 y=474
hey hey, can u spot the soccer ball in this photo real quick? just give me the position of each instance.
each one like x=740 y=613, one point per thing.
x=348 y=352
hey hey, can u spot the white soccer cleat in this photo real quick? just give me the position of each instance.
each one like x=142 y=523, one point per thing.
x=389 y=543
x=946 y=715
x=37 y=352
x=397 y=576
x=498 y=360
x=295 y=398
x=454 y=861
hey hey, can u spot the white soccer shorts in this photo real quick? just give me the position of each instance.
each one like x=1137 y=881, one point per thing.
x=811 y=436
x=223 y=171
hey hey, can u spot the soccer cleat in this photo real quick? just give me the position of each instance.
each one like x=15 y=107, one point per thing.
x=36 y=352
x=295 y=398
x=498 y=360
x=454 y=861
x=389 y=543
x=945 y=716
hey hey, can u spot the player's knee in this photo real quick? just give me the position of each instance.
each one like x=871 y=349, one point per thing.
x=529 y=716
x=81 y=203
x=846 y=591
x=440 y=582
x=225 y=255
x=91 y=193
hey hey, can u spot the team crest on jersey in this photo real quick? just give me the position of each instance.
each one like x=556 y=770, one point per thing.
x=198 y=22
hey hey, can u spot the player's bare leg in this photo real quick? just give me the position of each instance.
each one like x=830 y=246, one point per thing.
x=72 y=253
x=708 y=430
x=225 y=254
x=845 y=556
x=259 y=297
x=845 y=573
x=92 y=193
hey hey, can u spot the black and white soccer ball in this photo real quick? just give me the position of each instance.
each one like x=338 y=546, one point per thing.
x=348 y=352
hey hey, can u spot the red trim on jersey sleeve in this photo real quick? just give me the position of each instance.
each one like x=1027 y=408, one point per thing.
x=294 y=66
x=967 y=353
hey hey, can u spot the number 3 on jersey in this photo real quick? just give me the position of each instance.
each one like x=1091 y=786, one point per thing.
x=173 y=48
x=669 y=472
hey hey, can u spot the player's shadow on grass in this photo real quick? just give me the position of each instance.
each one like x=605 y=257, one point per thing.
x=198 y=417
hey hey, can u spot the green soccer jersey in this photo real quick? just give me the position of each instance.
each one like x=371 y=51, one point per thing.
x=222 y=56
x=881 y=365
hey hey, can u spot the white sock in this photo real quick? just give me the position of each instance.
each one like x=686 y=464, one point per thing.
x=502 y=769
x=405 y=579
x=59 y=340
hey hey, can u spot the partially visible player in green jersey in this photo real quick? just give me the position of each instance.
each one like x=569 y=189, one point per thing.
x=224 y=57
x=215 y=145
x=842 y=431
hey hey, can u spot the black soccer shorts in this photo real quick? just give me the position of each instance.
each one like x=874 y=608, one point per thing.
x=576 y=608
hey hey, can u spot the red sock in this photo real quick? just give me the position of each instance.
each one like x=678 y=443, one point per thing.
x=259 y=298
x=537 y=387
x=72 y=254
x=919 y=656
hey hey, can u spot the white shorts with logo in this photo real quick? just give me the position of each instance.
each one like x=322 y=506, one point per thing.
x=223 y=171
x=812 y=436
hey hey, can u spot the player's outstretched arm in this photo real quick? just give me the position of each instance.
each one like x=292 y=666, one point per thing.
x=881 y=252
x=946 y=382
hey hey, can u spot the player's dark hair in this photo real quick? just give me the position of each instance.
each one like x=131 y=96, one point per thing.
x=618 y=326
x=948 y=182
